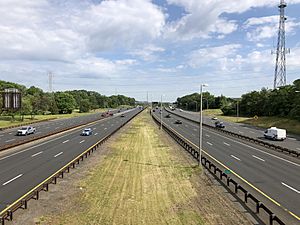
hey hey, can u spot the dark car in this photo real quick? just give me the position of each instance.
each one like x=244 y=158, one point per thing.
x=178 y=122
x=122 y=115
x=153 y=110
x=219 y=124
x=168 y=116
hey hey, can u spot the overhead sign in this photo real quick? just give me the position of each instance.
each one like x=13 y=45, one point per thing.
x=11 y=99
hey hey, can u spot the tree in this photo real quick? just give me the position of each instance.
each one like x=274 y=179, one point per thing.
x=84 y=105
x=65 y=102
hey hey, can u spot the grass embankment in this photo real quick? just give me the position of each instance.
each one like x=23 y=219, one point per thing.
x=143 y=180
x=5 y=121
x=292 y=126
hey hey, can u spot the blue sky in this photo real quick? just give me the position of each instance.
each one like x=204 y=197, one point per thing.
x=132 y=47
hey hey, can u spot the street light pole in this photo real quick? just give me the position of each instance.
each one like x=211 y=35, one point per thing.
x=161 y=112
x=200 y=124
x=237 y=111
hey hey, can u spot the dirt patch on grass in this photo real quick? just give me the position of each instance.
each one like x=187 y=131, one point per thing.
x=140 y=176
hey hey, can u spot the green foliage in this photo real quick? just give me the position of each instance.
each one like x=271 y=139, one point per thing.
x=35 y=101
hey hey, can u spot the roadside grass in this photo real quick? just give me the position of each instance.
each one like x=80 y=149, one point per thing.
x=139 y=182
x=5 y=121
x=292 y=126
x=218 y=113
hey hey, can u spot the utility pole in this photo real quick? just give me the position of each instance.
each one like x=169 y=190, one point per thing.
x=50 y=77
x=280 y=66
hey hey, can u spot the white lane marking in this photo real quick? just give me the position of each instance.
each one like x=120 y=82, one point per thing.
x=207 y=135
x=82 y=141
x=209 y=143
x=105 y=128
x=298 y=149
x=9 y=133
x=10 y=140
x=294 y=189
x=235 y=157
x=66 y=141
x=277 y=157
x=252 y=132
x=226 y=144
x=58 y=154
x=37 y=154
x=293 y=139
x=96 y=134
x=258 y=158
x=16 y=177
x=56 y=128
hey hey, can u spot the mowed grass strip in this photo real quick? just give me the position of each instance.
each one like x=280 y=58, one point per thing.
x=139 y=182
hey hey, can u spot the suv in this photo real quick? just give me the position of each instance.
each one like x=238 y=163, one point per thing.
x=87 y=132
x=26 y=130
x=219 y=124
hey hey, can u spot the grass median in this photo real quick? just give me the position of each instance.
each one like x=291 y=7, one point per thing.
x=143 y=180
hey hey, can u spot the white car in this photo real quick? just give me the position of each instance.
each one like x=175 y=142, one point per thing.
x=26 y=130
x=87 y=132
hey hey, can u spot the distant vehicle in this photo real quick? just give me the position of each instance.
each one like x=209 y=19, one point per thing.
x=168 y=116
x=275 y=133
x=122 y=115
x=119 y=110
x=214 y=118
x=153 y=110
x=26 y=130
x=219 y=124
x=87 y=132
x=156 y=107
x=178 y=122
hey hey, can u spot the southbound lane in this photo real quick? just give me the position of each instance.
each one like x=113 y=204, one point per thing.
x=276 y=176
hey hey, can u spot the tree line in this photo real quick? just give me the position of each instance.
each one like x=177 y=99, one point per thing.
x=36 y=101
x=282 y=102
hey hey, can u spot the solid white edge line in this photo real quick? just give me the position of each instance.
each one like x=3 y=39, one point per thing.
x=294 y=189
x=16 y=177
x=235 y=157
x=37 y=154
x=267 y=153
x=58 y=154
x=254 y=156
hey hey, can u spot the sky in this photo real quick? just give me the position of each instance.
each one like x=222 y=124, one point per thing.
x=134 y=47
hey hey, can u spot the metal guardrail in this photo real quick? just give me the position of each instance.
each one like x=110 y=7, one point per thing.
x=34 y=138
x=7 y=213
x=219 y=174
x=252 y=140
x=27 y=123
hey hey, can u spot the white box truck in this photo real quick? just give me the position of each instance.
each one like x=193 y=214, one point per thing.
x=275 y=133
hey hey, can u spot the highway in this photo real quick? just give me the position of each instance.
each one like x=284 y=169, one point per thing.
x=8 y=136
x=292 y=142
x=275 y=174
x=22 y=170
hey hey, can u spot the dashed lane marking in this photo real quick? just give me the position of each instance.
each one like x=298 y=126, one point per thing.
x=58 y=154
x=254 y=156
x=235 y=157
x=294 y=189
x=16 y=177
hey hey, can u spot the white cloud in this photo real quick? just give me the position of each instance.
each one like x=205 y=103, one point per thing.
x=148 y=52
x=213 y=56
x=203 y=20
x=267 y=27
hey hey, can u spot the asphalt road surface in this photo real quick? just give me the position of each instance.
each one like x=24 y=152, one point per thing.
x=8 y=136
x=22 y=170
x=275 y=174
x=292 y=142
